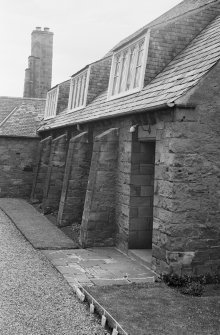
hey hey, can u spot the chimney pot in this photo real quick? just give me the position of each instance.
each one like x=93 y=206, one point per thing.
x=46 y=29
x=38 y=28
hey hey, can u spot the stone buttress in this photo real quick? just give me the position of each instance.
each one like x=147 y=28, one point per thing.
x=98 y=222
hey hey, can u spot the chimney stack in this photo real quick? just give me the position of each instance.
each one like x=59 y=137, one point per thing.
x=39 y=73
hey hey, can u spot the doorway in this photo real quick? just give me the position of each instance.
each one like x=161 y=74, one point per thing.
x=142 y=192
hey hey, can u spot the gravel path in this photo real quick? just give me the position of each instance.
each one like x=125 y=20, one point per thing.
x=34 y=297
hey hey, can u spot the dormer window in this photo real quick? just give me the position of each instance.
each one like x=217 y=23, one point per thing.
x=51 y=103
x=128 y=69
x=78 y=91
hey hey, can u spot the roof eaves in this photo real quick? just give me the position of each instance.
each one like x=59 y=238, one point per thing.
x=164 y=106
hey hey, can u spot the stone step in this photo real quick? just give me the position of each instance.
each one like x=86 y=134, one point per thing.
x=143 y=256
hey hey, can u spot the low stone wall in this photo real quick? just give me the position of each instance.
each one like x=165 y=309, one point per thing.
x=17 y=162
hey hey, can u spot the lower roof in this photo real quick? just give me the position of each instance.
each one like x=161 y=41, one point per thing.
x=20 y=116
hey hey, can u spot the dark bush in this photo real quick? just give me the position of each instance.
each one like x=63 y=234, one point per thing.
x=192 y=285
x=174 y=280
x=194 y=288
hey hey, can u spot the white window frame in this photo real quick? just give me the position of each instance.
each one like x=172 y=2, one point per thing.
x=51 y=103
x=111 y=96
x=73 y=79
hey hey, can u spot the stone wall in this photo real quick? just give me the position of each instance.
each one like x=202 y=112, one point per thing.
x=98 y=222
x=40 y=172
x=191 y=208
x=55 y=173
x=75 y=180
x=186 y=230
x=17 y=161
x=186 y=216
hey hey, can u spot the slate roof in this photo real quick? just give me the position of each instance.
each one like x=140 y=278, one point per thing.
x=7 y=104
x=24 y=118
x=183 y=73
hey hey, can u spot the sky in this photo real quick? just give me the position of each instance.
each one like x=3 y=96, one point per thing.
x=84 y=31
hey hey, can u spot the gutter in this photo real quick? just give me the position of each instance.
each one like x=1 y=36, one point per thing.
x=164 y=106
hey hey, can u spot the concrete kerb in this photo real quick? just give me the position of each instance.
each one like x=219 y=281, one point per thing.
x=84 y=295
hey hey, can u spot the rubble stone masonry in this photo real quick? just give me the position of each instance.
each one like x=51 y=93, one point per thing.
x=186 y=223
x=17 y=161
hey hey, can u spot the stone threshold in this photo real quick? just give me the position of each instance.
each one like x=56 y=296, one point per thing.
x=142 y=256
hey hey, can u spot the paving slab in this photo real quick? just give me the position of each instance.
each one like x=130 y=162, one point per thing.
x=37 y=229
x=98 y=267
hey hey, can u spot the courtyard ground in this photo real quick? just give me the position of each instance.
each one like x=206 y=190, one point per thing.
x=35 y=299
x=34 y=292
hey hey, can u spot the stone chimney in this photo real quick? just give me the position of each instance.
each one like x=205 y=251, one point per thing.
x=38 y=75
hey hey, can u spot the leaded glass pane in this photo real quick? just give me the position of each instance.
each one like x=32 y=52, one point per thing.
x=82 y=91
x=116 y=75
x=77 y=93
x=131 y=69
x=73 y=94
x=124 y=71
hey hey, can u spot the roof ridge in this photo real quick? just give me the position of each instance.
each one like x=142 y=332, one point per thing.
x=20 y=98
x=150 y=25
x=182 y=14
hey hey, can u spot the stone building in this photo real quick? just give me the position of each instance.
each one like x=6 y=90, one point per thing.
x=19 y=120
x=38 y=75
x=132 y=150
